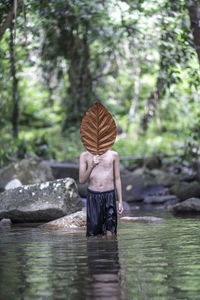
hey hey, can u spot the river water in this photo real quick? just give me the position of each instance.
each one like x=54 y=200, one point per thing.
x=144 y=261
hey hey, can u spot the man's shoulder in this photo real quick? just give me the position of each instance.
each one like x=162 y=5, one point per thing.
x=114 y=153
x=111 y=152
x=84 y=154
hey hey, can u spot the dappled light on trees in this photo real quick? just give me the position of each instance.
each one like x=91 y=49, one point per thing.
x=138 y=58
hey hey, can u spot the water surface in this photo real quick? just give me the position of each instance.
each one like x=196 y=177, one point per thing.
x=144 y=261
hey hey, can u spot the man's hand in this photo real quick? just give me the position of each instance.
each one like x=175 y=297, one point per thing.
x=121 y=209
x=96 y=160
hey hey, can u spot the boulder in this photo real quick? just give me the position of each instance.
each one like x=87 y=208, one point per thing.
x=139 y=184
x=191 y=205
x=153 y=162
x=145 y=175
x=132 y=164
x=40 y=202
x=185 y=171
x=68 y=169
x=64 y=169
x=73 y=221
x=27 y=171
x=5 y=222
x=77 y=220
x=163 y=178
x=150 y=162
x=160 y=199
x=143 y=219
x=196 y=166
x=186 y=190
x=14 y=183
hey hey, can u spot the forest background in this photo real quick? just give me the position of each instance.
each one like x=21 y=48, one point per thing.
x=140 y=59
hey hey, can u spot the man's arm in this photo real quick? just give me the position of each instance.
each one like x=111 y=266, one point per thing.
x=85 y=168
x=118 y=182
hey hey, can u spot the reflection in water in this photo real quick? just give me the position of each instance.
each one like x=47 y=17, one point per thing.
x=37 y=264
x=104 y=268
x=144 y=261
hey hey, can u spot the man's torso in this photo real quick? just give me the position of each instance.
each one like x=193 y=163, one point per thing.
x=102 y=176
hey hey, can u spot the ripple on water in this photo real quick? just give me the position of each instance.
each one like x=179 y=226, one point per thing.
x=145 y=261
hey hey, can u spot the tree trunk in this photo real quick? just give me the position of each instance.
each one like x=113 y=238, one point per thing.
x=7 y=22
x=152 y=101
x=80 y=91
x=15 y=113
x=194 y=12
x=136 y=94
x=152 y=104
x=12 y=12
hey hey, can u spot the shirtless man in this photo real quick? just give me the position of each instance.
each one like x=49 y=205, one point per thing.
x=101 y=171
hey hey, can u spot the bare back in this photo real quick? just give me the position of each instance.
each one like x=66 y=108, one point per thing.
x=102 y=176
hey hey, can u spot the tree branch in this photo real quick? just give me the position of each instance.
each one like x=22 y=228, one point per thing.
x=7 y=21
x=102 y=75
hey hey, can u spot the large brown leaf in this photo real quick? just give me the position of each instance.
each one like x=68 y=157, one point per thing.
x=98 y=130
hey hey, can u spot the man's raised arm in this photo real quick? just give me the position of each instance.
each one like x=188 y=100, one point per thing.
x=86 y=168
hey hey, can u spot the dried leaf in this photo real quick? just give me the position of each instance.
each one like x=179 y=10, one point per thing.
x=98 y=130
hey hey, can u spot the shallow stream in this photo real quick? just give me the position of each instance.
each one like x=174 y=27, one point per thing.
x=144 y=261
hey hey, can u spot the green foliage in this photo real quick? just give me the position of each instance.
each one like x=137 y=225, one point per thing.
x=12 y=150
x=79 y=51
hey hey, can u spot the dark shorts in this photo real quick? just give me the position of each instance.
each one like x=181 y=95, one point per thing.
x=101 y=212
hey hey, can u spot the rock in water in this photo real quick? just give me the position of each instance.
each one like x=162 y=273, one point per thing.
x=75 y=220
x=143 y=219
x=29 y=171
x=160 y=199
x=40 y=202
x=5 y=223
x=191 y=205
x=63 y=170
x=14 y=183
x=186 y=190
